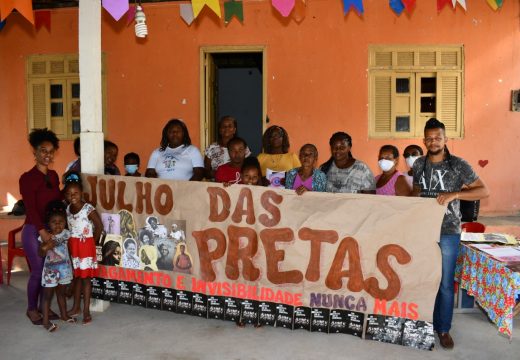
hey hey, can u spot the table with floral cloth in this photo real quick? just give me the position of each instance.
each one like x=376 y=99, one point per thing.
x=494 y=286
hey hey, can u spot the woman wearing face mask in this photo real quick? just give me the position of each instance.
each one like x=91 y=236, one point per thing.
x=411 y=153
x=391 y=181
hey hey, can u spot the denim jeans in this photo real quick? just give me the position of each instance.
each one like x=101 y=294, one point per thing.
x=443 y=311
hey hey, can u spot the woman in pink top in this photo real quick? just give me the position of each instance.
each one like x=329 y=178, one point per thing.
x=391 y=181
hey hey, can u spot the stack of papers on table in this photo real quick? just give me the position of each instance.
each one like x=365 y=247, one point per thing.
x=489 y=238
x=508 y=254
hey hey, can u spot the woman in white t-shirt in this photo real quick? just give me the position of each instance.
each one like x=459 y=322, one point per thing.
x=176 y=159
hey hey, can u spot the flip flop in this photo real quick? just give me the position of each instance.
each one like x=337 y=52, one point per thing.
x=87 y=320
x=70 y=320
x=75 y=315
x=51 y=327
x=35 y=322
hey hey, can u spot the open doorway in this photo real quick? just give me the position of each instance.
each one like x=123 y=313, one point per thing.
x=233 y=83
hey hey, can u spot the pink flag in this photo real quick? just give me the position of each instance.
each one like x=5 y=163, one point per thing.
x=284 y=7
x=116 y=8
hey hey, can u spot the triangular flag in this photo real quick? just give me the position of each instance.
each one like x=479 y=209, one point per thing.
x=233 y=8
x=442 y=3
x=116 y=8
x=461 y=2
x=187 y=13
x=2 y=24
x=397 y=6
x=24 y=7
x=130 y=15
x=409 y=5
x=493 y=4
x=42 y=18
x=357 y=4
x=199 y=4
x=284 y=7
x=298 y=13
x=499 y=3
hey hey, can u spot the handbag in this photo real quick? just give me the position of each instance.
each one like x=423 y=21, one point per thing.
x=469 y=210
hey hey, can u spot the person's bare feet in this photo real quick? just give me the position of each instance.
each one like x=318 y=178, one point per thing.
x=34 y=316
x=73 y=313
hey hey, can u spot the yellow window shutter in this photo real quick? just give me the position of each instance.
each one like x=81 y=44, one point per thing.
x=449 y=102
x=39 y=113
x=382 y=104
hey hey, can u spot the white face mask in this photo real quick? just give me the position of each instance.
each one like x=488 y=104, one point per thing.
x=385 y=165
x=410 y=160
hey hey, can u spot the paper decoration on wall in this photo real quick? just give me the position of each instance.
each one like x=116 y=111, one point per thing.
x=42 y=18
x=409 y=5
x=116 y=8
x=442 y=3
x=397 y=6
x=130 y=15
x=187 y=13
x=233 y=8
x=284 y=7
x=24 y=7
x=461 y=2
x=298 y=13
x=356 y=4
x=199 y=4
x=141 y=30
x=495 y=4
x=2 y=24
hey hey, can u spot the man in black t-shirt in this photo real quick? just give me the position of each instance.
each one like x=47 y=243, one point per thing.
x=441 y=175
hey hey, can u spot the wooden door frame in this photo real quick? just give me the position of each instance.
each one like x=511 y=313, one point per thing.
x=204 y=107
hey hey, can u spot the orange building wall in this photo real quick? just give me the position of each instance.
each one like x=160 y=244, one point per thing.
x=316 y=79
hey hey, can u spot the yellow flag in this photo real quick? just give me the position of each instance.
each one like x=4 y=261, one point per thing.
x=493 y=4
x=199 y=4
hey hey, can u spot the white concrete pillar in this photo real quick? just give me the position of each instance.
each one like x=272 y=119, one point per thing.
x=91 y=110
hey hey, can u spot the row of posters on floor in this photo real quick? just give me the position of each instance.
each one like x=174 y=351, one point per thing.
x=417 y=334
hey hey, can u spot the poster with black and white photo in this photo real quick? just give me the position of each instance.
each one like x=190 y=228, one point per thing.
x=284 y=316
x=266 y=313
x=110 y=293
x=168 y=299
x=418 y=334
x=387 y=329
x=199 y=305
x=184 y=299
x=231 y=309
x=302 y=318
x=98 y=288
x=356 y=321
x=338 y=322
x=139 y=295
x=320 y=320
x=153 y=297
x=249 y=312
x=215 y=307
x=124 y=292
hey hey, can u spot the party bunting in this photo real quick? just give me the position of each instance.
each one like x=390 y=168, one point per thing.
x=233 y=8
x=357 y=4
x=495 y=4
x=461 y=2
x=42 y=18
x=187 y=13
x=298 y=13
x=116 y=8
x=24 y=7
x=2 y=24
x=397 y=6
x=199 y=4
x=409 y=5
x=442 y=3
x=284 y=7
x=130 y=15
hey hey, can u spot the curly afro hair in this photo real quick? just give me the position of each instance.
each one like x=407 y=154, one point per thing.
x=39 y=136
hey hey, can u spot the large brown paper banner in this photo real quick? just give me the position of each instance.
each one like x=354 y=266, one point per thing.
x=366 y=253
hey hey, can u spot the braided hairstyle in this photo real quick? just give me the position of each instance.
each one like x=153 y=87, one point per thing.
x=72 y=178
x=55 y=208
x=337 y=136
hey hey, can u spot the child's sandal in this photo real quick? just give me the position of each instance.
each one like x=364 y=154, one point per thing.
x=87 y=320
x=51 y=327
x=70 y=320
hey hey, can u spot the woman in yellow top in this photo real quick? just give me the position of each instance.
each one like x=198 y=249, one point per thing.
x=276 y=158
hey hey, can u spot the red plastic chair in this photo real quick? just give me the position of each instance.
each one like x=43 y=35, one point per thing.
x=13 y=251
x=473 y=227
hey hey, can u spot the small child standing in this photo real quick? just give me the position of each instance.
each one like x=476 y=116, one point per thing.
x=132 y=163
x=86 y=228
x=251 y=173
x=57 y=269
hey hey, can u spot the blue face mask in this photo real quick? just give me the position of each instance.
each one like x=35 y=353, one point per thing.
x=131 y=168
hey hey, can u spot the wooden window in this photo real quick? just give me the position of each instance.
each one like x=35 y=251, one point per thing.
x=410 y=84
x=53 y=91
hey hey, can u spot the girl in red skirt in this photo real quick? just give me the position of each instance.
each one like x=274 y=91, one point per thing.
x=85 y=231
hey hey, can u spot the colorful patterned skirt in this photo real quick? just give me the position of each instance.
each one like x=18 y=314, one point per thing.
x=83 y=254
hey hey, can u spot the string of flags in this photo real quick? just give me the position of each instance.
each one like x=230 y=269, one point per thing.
x=191 y=10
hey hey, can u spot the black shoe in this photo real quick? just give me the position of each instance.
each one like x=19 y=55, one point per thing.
x=446 y=341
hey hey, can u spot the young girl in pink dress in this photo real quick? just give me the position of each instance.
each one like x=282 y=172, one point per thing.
x=85 y=230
